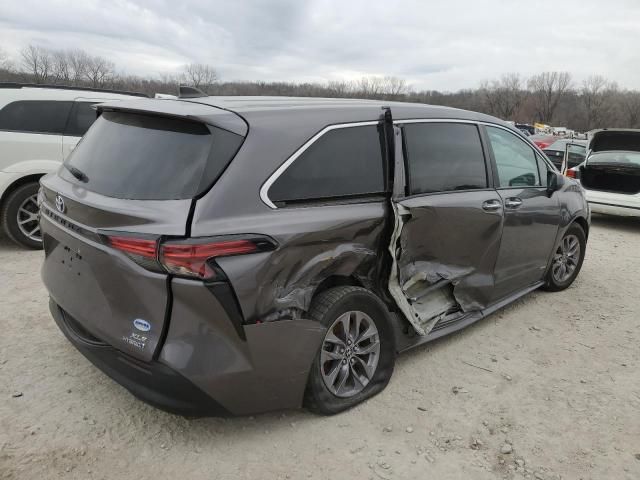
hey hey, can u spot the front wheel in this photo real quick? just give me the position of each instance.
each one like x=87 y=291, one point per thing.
x=356 y=358
x=20 y=216
x=567 y=259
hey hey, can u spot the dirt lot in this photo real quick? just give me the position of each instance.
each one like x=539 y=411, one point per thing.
x=547 y=388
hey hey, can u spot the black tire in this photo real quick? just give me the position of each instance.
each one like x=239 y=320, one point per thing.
x=551 y=284
x=9 y=215
x=326 y=308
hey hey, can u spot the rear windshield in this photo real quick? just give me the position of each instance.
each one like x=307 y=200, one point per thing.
x=631 y=159
x=140 y=157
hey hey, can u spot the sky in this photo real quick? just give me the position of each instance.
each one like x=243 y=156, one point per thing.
x=443 y=45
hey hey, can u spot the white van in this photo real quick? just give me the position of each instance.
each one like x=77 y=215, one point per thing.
x=39 y=126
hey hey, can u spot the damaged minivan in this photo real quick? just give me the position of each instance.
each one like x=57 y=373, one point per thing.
x=234 y=255
x=611 y=173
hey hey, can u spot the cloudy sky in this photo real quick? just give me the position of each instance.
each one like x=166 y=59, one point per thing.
x=444 y=44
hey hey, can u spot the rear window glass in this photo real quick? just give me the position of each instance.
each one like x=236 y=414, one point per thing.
x=343 y=162
x=142 y=157
x=35 y=116
x=622 y=158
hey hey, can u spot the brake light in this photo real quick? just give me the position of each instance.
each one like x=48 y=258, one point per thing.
x=571 y=173
x=134 y=246
x=193 y=259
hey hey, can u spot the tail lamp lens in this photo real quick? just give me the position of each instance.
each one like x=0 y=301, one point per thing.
x=187 y=258
x=571 y=173
x=192 y=259
x=134 y=246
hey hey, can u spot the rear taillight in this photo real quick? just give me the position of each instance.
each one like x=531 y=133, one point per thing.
x=193 y=260
x=135 y=246
x=143 y=251
x=189 y=258
x=571 y=173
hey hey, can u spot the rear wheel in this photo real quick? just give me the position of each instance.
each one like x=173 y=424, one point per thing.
x=567 y=259
x=20 y=216
x=355 y=360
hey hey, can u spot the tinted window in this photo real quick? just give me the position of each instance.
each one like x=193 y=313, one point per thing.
x=81 y=118
x=515 y=160
x=150 y=158
x=35 y=116
x=544 y=170
x=444 y=157
x=343 y=162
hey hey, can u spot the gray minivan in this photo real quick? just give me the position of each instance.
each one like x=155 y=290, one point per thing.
x=242 y=254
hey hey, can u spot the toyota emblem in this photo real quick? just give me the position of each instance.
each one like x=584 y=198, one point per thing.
x=60 y=204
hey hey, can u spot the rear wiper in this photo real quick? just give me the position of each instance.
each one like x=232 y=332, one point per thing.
x=76 y=172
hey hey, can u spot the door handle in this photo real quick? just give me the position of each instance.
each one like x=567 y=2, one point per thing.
x=513 y=202
x=491 y=205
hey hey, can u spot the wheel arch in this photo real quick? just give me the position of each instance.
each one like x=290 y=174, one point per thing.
x=34 y=177
x=584 y=224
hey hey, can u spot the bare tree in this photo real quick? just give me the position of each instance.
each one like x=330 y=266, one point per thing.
x=78 y=61
x=200 y=75
x=504 y=96
x=597 y=97
x=393 y=87
x=547 y=89
x=37 y=62
x=99 y=71
x=60 y=66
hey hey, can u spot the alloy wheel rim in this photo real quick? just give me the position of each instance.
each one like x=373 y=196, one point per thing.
x=565 y=260
x=350 y=353
x=28 y=220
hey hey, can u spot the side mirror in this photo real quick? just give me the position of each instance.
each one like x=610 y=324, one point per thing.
x=555 y=181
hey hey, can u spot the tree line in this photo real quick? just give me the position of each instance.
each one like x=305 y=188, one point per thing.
x=554 y=98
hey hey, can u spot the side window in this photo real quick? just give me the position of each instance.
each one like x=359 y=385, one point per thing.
x=35 y=116
x=444 y=157
x=544 y=170
x=343 y=162
x=515 y=160
x=81 y=118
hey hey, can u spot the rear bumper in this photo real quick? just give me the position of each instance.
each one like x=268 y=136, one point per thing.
x=613 y=203
x=205 y=369
x=151 y=382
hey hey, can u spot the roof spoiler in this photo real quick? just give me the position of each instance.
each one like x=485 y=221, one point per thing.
x=184 y=91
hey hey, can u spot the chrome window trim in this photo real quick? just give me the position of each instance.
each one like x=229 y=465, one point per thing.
x=264 y=189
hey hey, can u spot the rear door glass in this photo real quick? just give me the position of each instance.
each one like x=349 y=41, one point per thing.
x=143 y=157
x=35 y=116
x=444 y=157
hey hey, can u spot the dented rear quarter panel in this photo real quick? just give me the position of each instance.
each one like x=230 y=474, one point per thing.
x=314 y=243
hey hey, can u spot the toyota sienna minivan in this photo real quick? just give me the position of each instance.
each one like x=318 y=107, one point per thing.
x=237 y=255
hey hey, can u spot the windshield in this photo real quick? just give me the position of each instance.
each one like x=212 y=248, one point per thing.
x=623 y=158
x=144 y=157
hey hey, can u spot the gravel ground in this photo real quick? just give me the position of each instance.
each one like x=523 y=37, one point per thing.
x=546 y=388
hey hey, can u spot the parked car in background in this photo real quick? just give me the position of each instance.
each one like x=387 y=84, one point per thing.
x=39 y=126
x=245 y=254
x=574 y=150
x=543 y=140
x=610 y=174
x=525 y=127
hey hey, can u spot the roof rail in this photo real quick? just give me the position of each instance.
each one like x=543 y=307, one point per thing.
x=67 y=87
x=185 y=91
